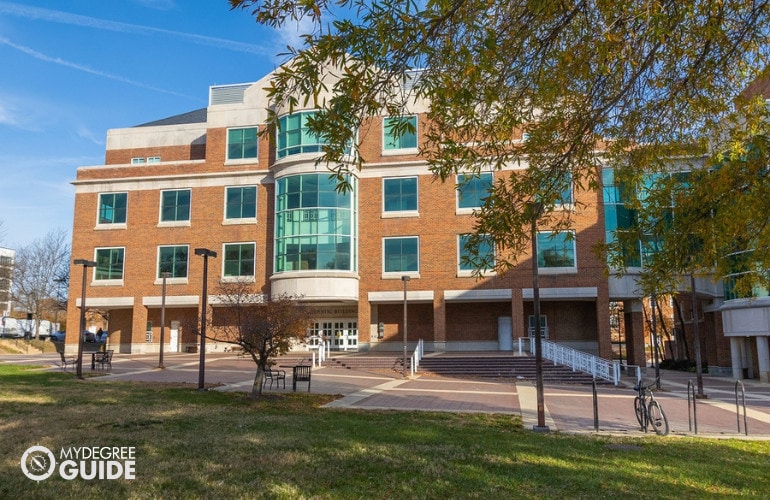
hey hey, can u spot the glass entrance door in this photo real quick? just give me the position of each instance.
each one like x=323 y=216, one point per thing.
x=342 y=334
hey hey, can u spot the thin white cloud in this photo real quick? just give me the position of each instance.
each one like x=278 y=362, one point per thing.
x=57 y=60
x=56 y=16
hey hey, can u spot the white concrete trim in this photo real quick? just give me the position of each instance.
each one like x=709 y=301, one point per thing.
x=390 y=297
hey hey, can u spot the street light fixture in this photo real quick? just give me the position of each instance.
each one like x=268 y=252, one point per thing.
x=206 y=253
x=405 y=279
x=163 y=275
x=86 y=264
x=535 y=211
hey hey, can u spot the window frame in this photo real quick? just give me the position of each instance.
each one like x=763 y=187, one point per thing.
x=240 y=277
x=282 y=135
x=243 y=145
x=399 y=273
x=568 y=240
x=100 y=204
x=401 y=213
x=176 y=221
x=462 y=273
x=397 y=146
x=109 y=281
x=240 y=220
x=461 y=184
x=172 y=278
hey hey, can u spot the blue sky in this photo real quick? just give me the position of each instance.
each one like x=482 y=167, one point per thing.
x=69 y=71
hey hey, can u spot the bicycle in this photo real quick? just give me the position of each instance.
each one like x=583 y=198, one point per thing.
x=648 y=411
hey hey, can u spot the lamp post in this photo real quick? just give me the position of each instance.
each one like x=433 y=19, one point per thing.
x=86 y=264
x=696 y=339
x=164 y=276
x=535 y=210
x=206 y=253
x=405 y=279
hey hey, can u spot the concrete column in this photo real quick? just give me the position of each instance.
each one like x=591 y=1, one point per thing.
x=763 y=354
x=736 y=356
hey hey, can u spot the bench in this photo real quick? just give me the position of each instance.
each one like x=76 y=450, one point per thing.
x=67 y=360
x=301 y=373
x=103 y=360
x=274 y=375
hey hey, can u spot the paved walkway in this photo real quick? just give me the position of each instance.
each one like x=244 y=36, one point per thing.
x=568 y=408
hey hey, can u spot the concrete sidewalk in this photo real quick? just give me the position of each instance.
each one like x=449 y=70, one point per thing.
x=568 y=408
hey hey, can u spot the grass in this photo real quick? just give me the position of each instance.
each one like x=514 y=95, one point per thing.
x=192 y=444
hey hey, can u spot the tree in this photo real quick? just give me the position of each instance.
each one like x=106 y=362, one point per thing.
x=37 y=274
x=263 y=329
x=560 y=89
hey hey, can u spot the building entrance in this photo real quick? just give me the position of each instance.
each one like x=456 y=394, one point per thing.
x=342 y=334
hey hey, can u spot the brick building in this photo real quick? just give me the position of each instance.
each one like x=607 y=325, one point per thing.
x=205 y=179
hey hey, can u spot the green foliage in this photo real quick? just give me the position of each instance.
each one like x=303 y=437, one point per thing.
x=559 y=88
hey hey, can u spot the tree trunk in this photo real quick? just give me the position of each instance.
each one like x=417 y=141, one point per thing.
x=256 y=389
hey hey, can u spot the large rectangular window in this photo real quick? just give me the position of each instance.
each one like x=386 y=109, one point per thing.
x=294 y=137
x=481 y=257
x=399 y=132
x=173 y=259
x=109 y=264
x=556 y=250
x=112 y=208
x=473 y=189
x=175 y=205
x=239 y=260
x=241 y=202
x=399 y=194
x=401 y=255
x=242 y=143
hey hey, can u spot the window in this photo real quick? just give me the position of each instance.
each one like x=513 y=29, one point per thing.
x=173 y=259
x=556 y=250
x=399 y=194
x=153 y=159
x=472 y=189
x=399 y=133
x=293 y=136
x=175 y=205
x=483 y=255
x=242 y=143
x=239 y=260
x=109 y=264
x=241 y=202
x=401 y=255
x=112 y=208
x=138 y=161
x=543 y=326
x=315 y=225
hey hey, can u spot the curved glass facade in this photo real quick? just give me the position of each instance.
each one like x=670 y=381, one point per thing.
x=315 y=226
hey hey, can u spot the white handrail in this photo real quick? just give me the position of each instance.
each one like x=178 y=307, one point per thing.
x=578 y=360
x=416 y=357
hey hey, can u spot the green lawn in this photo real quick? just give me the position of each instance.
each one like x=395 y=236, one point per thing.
x=191 y=444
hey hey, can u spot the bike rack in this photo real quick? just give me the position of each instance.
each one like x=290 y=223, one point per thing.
x=692 y=406
x=596 y=407
x=737 y=408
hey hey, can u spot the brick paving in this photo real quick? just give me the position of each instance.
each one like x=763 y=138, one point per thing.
x=569 y=408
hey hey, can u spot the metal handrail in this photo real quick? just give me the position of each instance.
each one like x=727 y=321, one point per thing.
x=416 y=357
x=578 y=360
x=737 y=408
x=694 y=418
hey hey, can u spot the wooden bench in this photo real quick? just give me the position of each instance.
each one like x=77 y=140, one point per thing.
x=301 y=373
x=274 y=375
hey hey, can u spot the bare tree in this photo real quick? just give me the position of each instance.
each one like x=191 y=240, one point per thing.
x=38 y=272
x=263 y=327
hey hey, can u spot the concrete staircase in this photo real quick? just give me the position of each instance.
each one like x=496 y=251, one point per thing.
x=502 y=366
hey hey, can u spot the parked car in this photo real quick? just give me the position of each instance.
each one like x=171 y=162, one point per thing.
x=57 y=337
